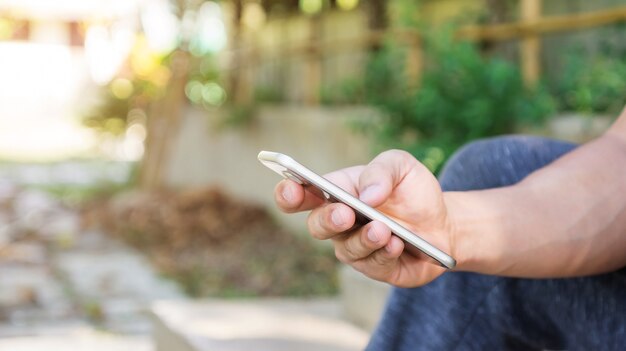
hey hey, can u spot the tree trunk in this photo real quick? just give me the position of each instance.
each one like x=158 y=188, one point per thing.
x=234 y=79
x=164 y=117
x=377 y=20
x=499 y=11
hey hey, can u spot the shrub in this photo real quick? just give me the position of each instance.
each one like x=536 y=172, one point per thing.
x=461 y=96
x=595 y=85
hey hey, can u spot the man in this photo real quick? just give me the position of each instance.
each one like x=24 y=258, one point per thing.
x=513 y=212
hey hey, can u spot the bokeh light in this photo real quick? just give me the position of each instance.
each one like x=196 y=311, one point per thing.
x=213 y=94
x=41 y=90
x=311 y=7
x=253 y=15
x=161 y=26
x=106 y=49
x=137 y=115
x=122 y=88
x=193 y=90
x=133 y=144
x=6 y=28
x=143 y=62
x=209 y=32
x=347 y=4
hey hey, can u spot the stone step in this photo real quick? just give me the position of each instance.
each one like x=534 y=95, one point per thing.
x=362 y=298
x=113 y=284
x=77 y=339
x=257 y=324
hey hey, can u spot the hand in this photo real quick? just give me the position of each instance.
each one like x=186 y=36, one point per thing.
x=396 y=184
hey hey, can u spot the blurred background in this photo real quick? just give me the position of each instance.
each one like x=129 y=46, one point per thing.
x=129 y=131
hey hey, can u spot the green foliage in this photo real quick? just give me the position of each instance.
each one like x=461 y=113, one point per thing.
x=74 y=195
x=238 y=116
x=204 y=88
x=147 y=78
x=462 y=96
x=118 y=108
x=109 y=116
x=346 y=92
x=268 y=94
x=594 y=85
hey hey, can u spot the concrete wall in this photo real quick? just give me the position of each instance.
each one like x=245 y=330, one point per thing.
x=321 y=138
x=362 y=298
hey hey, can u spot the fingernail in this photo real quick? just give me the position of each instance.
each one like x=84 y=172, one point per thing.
x=371 y=235
x=337 y=218
x=369 y=193
x=388 y=248
x=287 y=194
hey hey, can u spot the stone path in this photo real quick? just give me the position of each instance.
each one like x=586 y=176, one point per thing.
x=260 y=324
x=78 y=340
x=68 y=289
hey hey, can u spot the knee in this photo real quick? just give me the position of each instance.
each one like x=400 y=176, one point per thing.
x=478 y=150
x=487 y=163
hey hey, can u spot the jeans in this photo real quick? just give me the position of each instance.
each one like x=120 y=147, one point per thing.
x=467 y=311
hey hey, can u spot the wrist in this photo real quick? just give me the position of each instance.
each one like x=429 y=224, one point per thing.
x=477 y=227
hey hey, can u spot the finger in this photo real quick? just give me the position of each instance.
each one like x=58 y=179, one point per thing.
x=383 y=174
x=383 y=264
x=362 y=242
x=291 y=197
x=347 y=178
x=327 y=221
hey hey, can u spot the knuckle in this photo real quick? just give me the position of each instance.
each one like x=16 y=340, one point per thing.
x=351 y=251
x=320 y=224
x=341 y=255
x=402 y=155
x=363 y=241
x=313 y=226
x=379 y=260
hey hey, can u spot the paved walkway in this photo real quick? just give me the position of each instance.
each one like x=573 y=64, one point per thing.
x=68 y=289
x=82 y=339
x=258 y=324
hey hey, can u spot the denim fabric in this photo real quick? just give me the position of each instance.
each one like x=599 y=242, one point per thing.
x=466 y=311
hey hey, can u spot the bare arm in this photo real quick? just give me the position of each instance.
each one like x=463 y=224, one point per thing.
x=566 y=219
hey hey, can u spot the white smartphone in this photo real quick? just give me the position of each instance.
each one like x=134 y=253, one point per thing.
x=287 y=167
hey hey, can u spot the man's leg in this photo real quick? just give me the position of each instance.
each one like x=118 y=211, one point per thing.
x=466 y=311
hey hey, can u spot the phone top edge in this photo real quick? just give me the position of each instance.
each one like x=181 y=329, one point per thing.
x=272 y=156
x=267 y=155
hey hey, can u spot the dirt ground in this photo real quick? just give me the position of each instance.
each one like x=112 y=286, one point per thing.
x=214 y=244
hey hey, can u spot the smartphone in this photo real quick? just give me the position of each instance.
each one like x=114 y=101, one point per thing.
x=288 y=168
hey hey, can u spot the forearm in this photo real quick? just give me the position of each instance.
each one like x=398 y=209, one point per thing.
x=566 y=219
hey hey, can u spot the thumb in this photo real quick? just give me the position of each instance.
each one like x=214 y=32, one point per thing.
x=382 y=175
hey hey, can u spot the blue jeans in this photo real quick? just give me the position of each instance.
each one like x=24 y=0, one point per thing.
x=467 y=311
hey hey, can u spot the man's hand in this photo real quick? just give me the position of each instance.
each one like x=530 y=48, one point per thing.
x=396 y=184
x=566 y=219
